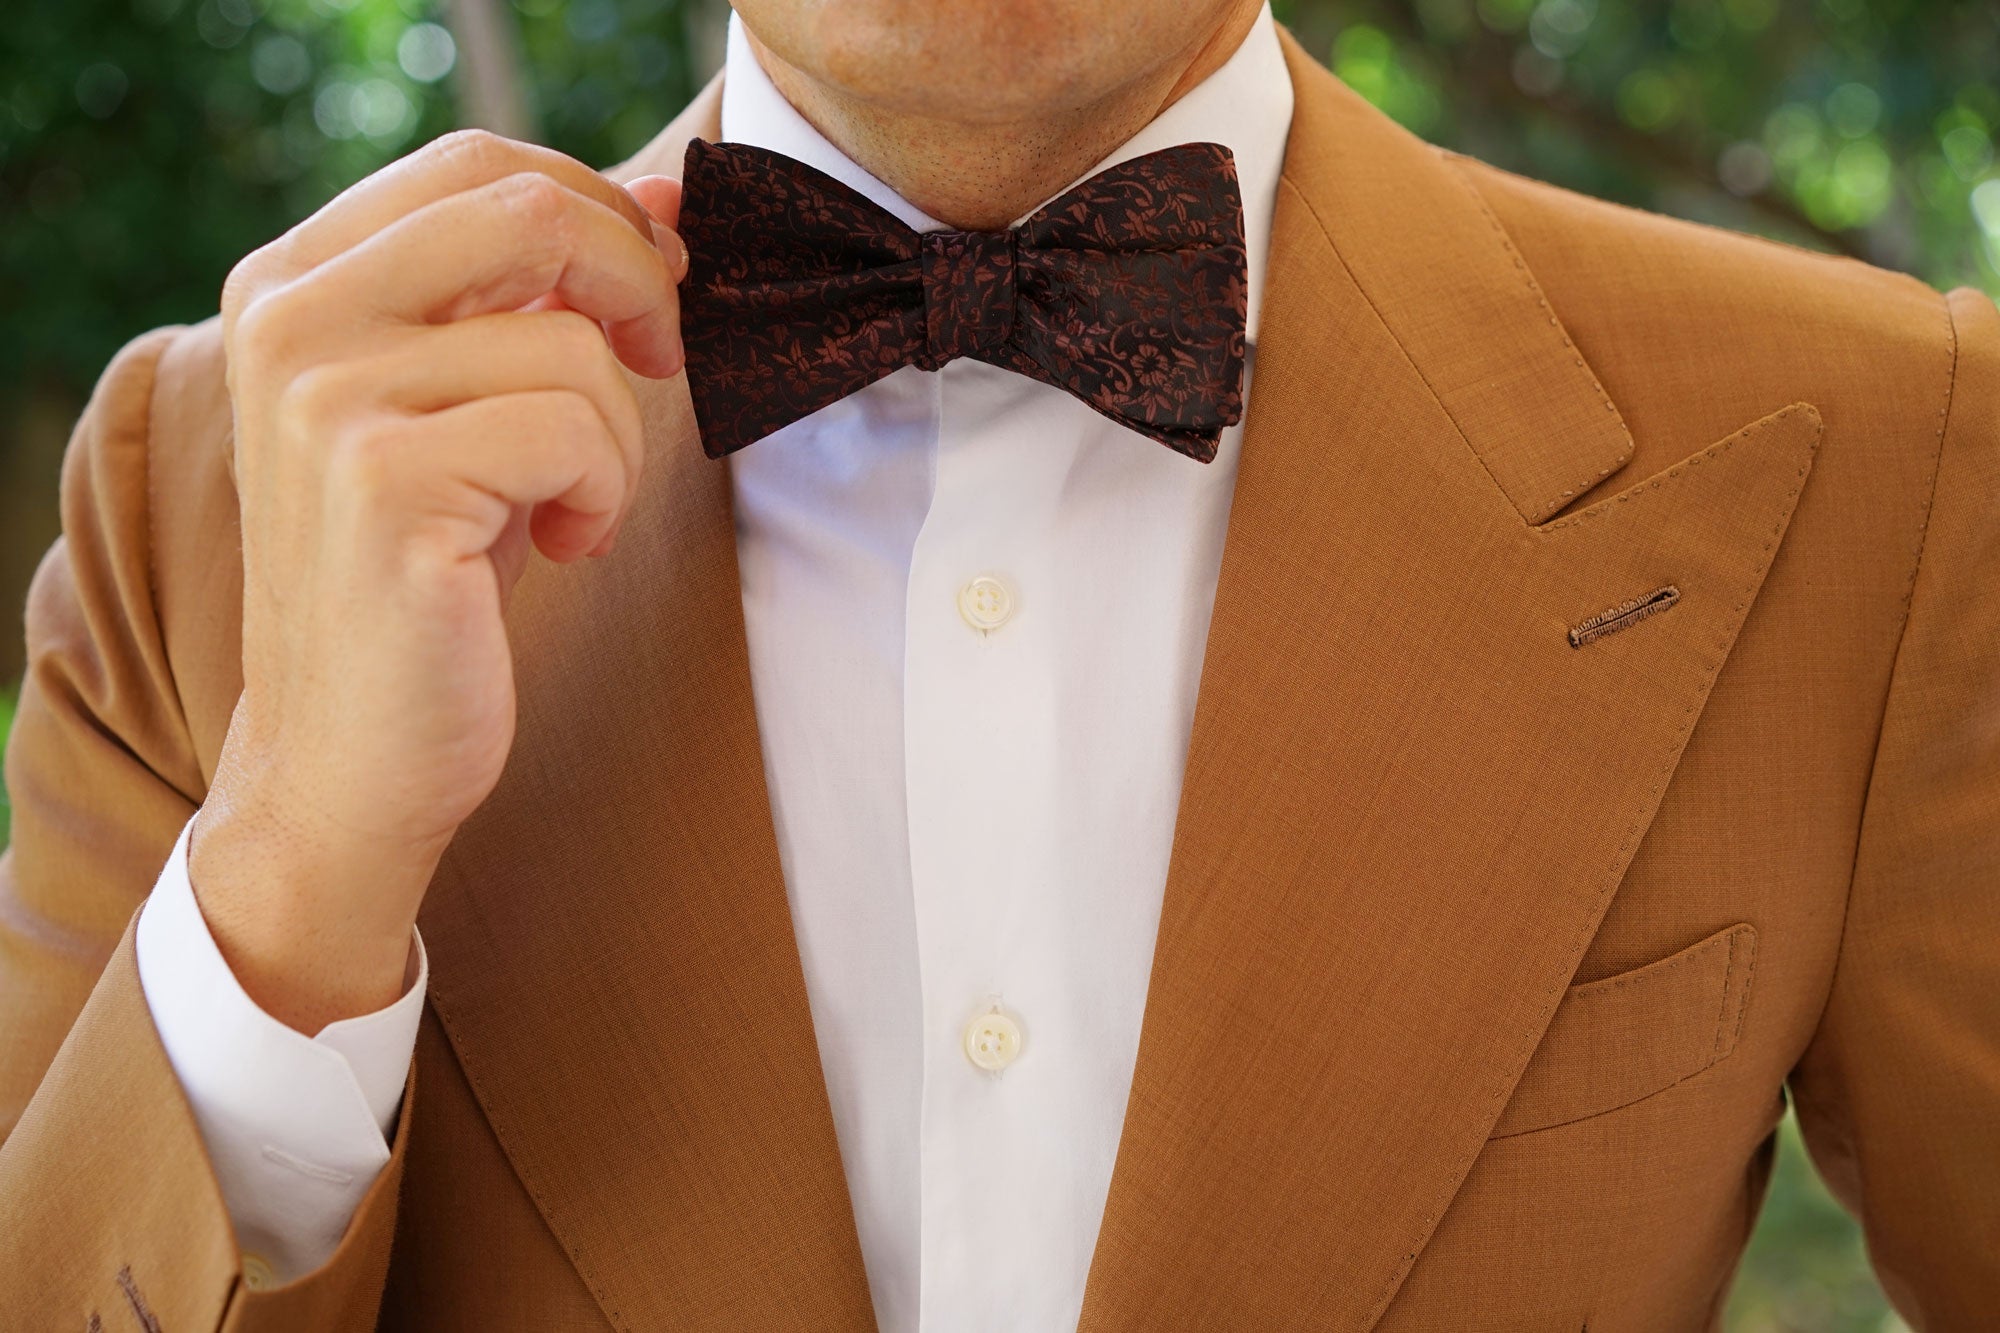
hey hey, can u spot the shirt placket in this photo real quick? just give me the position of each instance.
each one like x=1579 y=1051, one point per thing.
x=979 y=751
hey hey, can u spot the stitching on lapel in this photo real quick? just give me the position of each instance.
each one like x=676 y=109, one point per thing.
x=1609 y=504
x=1326 y=235
x=136 y=1301
x=1554 y=504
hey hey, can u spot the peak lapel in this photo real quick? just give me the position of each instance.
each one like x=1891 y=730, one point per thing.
x=611 y=949
x=1408 y=798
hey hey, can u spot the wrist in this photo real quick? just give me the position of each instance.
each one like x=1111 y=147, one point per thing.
x=315 y=929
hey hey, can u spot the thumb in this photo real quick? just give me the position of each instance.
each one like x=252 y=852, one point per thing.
x=658 y=195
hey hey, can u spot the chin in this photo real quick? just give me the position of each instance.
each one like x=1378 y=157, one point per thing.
x=973 y=61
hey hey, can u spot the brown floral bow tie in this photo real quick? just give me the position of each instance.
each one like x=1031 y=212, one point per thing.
x=1128 y=291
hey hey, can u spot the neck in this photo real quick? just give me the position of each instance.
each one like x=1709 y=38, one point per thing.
x=980 y=177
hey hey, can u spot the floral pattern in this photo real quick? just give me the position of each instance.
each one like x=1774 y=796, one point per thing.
x=1127 y=291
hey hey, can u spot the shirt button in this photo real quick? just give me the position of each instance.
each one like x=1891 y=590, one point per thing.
x=257 y=1274
x=985 y=603
x=992 y=1040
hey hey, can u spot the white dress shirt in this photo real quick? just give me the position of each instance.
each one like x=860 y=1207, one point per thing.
x=976 y=612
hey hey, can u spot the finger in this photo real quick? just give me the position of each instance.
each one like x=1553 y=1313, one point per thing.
x=463 y=473
x=496 y=248
x=661 y=197
x=510 y=551
x=436 y=367
x=448 y=165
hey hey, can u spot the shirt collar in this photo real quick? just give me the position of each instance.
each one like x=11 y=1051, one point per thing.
x=1245 y=105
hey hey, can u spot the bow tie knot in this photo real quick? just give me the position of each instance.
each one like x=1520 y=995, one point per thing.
x=968 y=294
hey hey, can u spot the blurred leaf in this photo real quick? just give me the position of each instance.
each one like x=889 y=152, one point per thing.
x=146 y=145
x=6 y=729
x=1860 y=126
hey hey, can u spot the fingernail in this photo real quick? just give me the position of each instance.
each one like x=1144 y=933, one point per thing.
x=669 y=245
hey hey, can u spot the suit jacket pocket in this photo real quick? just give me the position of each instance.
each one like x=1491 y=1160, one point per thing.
x=1617 y=1040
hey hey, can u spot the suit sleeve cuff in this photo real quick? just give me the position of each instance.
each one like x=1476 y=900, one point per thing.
x=296 y=1126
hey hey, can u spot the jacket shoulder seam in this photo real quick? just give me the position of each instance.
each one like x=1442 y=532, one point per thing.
x=1951 y=348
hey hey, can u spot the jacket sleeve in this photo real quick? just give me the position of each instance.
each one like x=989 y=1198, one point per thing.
x=1898 y=1094
x=109 y=1209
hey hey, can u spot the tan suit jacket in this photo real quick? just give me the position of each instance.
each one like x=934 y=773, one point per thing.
x=1486 y=960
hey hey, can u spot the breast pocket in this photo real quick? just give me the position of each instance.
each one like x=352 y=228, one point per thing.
x=1622 y=1038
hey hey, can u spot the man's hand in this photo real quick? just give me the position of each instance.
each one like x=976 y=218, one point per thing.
x=425 y=383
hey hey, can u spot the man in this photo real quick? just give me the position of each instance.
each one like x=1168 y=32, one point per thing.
x=925 y=876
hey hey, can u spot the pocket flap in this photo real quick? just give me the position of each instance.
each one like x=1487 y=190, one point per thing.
x=1617 y=1040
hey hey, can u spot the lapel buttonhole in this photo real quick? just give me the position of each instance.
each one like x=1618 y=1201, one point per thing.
x=1624 y=615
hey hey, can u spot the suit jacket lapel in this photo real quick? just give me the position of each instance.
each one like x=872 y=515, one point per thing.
x=611 y=948
x=1408 y=798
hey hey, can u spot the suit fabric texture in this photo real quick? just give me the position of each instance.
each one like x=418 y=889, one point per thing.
x=1487 y=961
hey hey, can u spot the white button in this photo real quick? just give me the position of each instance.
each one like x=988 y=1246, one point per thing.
x=992 y=1039
x=257 y=1274
x=985 y=603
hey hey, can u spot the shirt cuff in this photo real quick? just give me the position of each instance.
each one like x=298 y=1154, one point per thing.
x=296 y=1126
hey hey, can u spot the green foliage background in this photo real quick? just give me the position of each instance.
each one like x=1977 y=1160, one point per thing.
x=147 y=144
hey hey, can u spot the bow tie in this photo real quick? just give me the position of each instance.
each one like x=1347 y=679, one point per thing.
x=1127 y=291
